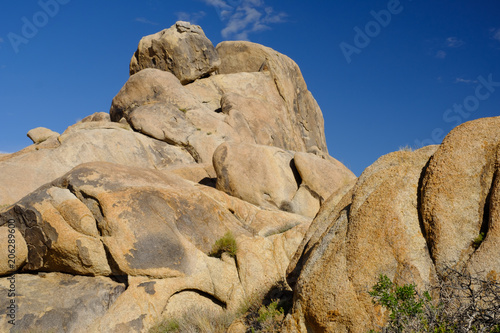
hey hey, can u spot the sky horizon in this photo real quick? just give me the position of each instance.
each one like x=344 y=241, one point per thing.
x=386 y=74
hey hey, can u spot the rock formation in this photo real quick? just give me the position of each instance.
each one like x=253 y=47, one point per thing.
x=118 y=215
x=410 y=216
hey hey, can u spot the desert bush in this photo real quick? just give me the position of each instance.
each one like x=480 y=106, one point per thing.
x=464 y=303
x=196 y=320
x=227 y=244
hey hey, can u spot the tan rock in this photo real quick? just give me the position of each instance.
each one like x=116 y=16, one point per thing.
x=306 y=202
x=52 y=242
x=339 y=200
x=485 y=261
x=258 y=174
x=151 y=86
x=237 y=327
x=322 y=176
x=197 y=173
x=25 y=171
x=302 y=108
x=55 y=302
x=183 y=49
x=14 y=250
x=455 y=191
x=157 y=229
x=41 y=134
x=162 y=121
x=98 y=116
x=377 y=233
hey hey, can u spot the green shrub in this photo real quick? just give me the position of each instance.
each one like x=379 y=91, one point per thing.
x=466 y=304
x=226 y=244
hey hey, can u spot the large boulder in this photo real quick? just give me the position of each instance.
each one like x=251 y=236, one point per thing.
x=460 y=197
x=274 y=178
x=302 y=108
x=374 y=229
x=261 y=175
x=183 y=49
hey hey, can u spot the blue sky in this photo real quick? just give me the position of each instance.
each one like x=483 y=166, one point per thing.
x=386 y=73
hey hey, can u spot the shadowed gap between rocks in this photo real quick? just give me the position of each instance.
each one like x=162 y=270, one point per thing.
x=92 y=204
x=419 y=209
x=206 y=295
x=485 y=225
x=117 y=274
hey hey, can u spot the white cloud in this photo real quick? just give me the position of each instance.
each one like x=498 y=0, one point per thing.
x=4 y=152
x=217 y=3
x=462 y=80
x=440 y=54
x=145 y=21
x=193 y=18
x=454 y=42
x=243 y=17
x=495 y=33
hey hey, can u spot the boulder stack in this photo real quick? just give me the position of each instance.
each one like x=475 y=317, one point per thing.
x=132 y=203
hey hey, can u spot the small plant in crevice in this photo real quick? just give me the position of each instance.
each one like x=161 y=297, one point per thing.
x=225 y=244
x=476 y=243
x=267 y=315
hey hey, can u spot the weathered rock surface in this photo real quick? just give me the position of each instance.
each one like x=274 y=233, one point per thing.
x=322 y=176
x=270 y=177
x=373 y=230
x=208 y=112
x=26 y=170
x=261 y=175
x=457 y=191
x=410 y=216
x=41 y=134
x=194 y=146
x=56 y=302
x=14 y=251
x=155 y=230
x=302 y=109
x=183 y=49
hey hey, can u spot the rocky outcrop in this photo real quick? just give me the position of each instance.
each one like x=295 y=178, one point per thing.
x=28 y=169
x=155 y=230
x=409 y=216
x=183 y=50
x=194 y=148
